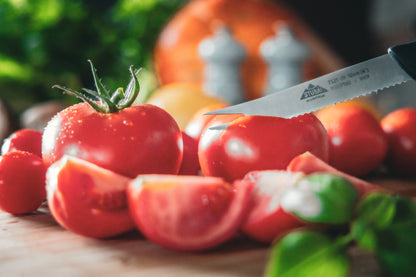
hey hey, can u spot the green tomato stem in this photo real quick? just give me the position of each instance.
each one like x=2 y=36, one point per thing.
x=101 y=100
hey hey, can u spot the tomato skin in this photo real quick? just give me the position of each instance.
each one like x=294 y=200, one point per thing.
x=200 y=120
x=400 y=128
x=28 y=140
x=22 y=182
x=87 y=199
x=357 y=143
x=259 y=143
x=135 y=140
x=190 y=162
x=187 y=213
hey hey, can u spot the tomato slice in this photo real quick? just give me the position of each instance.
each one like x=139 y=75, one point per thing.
x=309 y=163
x=187 y=213
x=266 y=219
x=87 y=199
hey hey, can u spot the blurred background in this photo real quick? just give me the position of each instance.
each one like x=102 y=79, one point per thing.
x=47 y=42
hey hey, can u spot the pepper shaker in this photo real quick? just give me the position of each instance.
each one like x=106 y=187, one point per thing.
x=285 y=55
x=223 y=56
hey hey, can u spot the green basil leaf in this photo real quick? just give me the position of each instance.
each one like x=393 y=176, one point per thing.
x=307 y=253
x=322 y=198
x=365 y=236
x=377 y=210
x=396 y=243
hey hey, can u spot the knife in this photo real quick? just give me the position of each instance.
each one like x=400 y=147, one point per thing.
x=395 y=67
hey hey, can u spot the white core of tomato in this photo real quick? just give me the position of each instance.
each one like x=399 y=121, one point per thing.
x=52 y=176
x=237 y=148
x=209 y=137
x=51 y=134
x=137 y=183
x=276 y=183
x=302 y=200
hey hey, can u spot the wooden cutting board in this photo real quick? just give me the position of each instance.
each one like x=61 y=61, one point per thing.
x=35 y=245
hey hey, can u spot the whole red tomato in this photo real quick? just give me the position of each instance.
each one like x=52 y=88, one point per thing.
x=400 y=127
x=25 y=140
x=190 y=163
x=111 y=133
x=357 y=143
x=22 y=182
x=258 y=143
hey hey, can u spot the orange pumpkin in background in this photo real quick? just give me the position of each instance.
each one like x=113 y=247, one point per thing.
x=251 y=22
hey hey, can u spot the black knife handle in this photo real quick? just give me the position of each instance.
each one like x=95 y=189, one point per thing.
x=405 y=55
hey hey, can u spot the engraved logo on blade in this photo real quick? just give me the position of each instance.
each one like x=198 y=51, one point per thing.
x=312 y=92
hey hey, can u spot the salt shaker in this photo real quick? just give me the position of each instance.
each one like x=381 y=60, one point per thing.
x=223 y=56
x=285 y=56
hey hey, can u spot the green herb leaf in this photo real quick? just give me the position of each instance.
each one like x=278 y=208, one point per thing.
x=323 y=198
x=307 y=253
x=396 y=247
x=386 y=224
x=377 y=210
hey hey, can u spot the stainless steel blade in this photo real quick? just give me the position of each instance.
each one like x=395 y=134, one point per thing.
x=345 y=84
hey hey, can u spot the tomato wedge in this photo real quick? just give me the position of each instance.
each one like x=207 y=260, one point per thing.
x=187 y=213
x=87 y=199
x=308 y=163
x=266 y=220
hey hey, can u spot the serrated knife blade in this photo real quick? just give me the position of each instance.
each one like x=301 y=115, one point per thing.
x=357 y=80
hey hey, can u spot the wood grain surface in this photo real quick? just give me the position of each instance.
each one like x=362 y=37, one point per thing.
x=35 y=245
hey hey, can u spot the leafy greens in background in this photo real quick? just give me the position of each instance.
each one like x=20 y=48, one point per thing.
x=47 y=42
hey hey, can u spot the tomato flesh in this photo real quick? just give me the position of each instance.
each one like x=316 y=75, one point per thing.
x=187 y=213
x=308 y=163
x=87 y=199
x=266 y=219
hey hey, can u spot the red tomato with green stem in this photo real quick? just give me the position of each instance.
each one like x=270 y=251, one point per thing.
x=22 y=182
x=259 y=143
x=115 y=134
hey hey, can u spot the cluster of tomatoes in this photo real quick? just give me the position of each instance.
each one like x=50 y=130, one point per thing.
x=362 y=141
x=110 y=173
